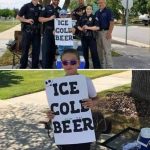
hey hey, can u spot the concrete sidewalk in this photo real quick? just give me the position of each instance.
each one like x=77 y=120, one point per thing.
x=101 y=84
x=6 y=36
x=9 y=34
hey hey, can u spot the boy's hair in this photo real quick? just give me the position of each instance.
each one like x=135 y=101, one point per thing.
x=72 y=51
x=62 y=12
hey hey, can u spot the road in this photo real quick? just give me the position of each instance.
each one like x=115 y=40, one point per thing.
x=139 y=34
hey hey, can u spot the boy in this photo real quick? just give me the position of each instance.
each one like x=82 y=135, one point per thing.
x=70 y=62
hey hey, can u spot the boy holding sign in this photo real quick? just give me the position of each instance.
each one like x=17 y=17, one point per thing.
x=79 y=125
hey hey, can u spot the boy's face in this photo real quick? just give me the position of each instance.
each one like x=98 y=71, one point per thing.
x=70 y=63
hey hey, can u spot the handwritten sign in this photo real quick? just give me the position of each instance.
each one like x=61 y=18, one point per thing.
x=72 y=123
x=63 y=36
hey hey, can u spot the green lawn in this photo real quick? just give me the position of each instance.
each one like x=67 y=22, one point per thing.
x=124 y=88
x=16 y=83
x=5 y=25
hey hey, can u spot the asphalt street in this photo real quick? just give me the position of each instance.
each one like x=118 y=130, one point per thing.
x=139 y=34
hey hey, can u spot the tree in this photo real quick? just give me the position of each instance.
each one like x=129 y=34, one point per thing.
x=66 y=4
x=140 y=86
x=7 y=13
x=148 y=7
x=44 y=2
x=141 y=6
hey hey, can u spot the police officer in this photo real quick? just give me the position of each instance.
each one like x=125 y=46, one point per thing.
x=79 y=11
x=47 y=16
x=28 y=15
x=106 y=23
x=87 y=24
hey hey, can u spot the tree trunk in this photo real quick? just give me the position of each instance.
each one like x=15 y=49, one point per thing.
x=44 y=2
x=66 y=4
x=140 y=87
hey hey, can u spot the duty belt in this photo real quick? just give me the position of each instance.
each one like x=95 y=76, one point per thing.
x=49 y=28
x=31 y=28
x=104 y=29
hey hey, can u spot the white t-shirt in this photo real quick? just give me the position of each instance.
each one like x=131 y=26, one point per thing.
x=91 y=89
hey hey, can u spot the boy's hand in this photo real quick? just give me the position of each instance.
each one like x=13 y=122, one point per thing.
x=72 y=30
x=50 y=114
x=108 y=35
x=88 y=103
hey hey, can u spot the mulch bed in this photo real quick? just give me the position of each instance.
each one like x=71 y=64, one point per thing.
x=125 y=104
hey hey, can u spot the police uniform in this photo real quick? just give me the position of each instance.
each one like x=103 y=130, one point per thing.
x=88 y=40
x=104 y=17
x=30 y=34
x=76 y=16
x=48 y=42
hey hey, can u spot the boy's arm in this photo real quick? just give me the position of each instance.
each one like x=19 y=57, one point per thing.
x=95 y=100
x=91 y=102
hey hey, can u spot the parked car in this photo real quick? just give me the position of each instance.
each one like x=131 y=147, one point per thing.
x=145 y=19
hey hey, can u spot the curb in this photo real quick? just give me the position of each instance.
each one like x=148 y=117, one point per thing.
x=129 y=42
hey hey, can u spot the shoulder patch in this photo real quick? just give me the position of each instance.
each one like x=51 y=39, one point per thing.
x=96 y=18
x=43 y=8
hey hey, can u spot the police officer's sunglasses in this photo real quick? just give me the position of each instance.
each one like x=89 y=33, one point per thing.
x=69 y=62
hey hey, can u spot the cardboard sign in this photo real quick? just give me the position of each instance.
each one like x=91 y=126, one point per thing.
x=63 y=36
x=72 y=123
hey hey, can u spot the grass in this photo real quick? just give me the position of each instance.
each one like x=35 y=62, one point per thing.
x=6 y=58
x=115 y=54
x=124 y=88
x=21 y=82
x=5 y=25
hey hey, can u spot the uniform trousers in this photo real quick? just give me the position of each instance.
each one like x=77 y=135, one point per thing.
x=90 y=43
x=30 y=38
x=104 y=49
x=48 y=49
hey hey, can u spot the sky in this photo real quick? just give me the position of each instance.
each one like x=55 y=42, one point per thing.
x=17 y=3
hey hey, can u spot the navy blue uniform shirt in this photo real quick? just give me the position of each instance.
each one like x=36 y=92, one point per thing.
x=89 y=21
x=29 y=11
x=104 y=17
x=49 y=11
x=75 y=12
